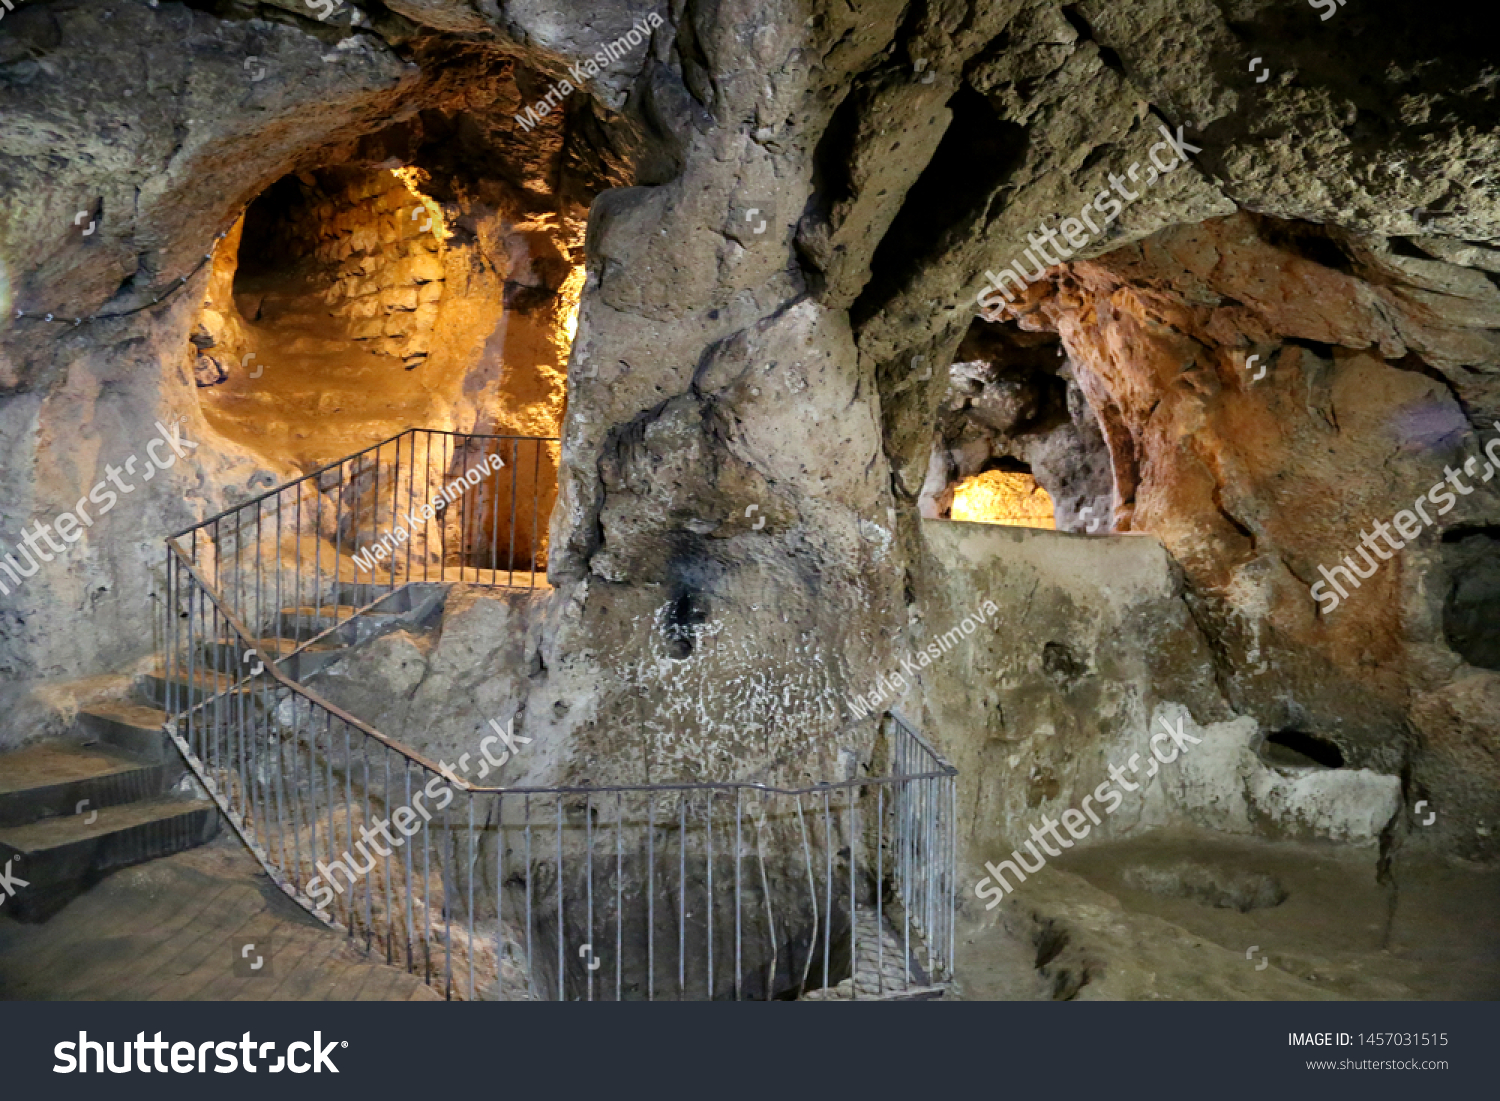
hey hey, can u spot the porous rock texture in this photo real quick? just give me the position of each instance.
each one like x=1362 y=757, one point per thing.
x=815 y=190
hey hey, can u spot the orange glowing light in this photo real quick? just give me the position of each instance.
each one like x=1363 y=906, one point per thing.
x=1003 y=497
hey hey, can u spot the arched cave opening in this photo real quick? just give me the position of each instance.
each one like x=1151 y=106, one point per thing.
x=426 y=277
x=1005 y=492
x=356 y=300
x=1016 y=442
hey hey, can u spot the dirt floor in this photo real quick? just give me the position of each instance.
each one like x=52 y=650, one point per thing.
x=1201 y=916
x=177 y=929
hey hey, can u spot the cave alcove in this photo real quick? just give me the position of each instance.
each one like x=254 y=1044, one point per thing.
x=1016 y=442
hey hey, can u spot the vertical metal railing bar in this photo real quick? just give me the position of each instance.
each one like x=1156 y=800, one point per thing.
x=427 y=499
x=530 y=956
x=327 y=793
x=210 y=710
x=919 y=861
x=252 y=719
x=500 y=852
x=447 y=874
x=939 y=851
x=390 y=911
x=531 y=959
x=765 y=885
x=682 y=897
x=493 y=481
x=619 y=889
x=880 y=889
x=828 y=885
x=295 y=825
x=253 y=621
x=411 y=504
x=198 y=598
x=933 y=876
x=198 y=716
x=536 y=473
x=812 y=894
x=928 y=850
x=853 y=901
x=223 y=719
x=561 y=893
x=469 y=875
x=446 y=467
x=338 y=537
x=395 y=480
x=907 y=899
x=278 y=626
x=505 y=475
x=650 y=896
x=952 y=873
x=364 y=823
x=223 y=703
x=738 y=842
x=461 y=502
x=349 y=903
x=468 y=505
x=169 y=637
x=260 y=792
x=301 y=598
x=318 y=559
x=305 y=729
x=708 y=909
x=264 y=716
x=279 y=793
x=588 y=842
x=406 y=851
x=230 y=701
x=515 y=490
x=426 y=899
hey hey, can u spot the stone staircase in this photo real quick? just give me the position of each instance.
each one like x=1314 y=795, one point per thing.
x=115 y=791
x=109 y=796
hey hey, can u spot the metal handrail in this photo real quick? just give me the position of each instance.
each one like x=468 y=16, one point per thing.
x=943 y=771
x=266 y=747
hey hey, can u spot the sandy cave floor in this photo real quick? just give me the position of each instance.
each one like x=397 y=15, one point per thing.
x=1091 y=926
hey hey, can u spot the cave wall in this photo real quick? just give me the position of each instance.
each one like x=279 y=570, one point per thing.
x=816 y=194
x=160 y=142
x=1092 y=638
x=1258 y=484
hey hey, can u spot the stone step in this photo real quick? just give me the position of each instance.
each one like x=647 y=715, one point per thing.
x=52 y=778
x=151 y=687
x=133 y=727
x=230 y=655
x=360 y=594
x=59 y=858
x=305 y=622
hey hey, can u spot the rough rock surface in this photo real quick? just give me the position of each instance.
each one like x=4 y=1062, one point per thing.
x=803 y=200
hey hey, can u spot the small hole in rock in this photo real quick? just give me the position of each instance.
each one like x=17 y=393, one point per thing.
x=1298 y=749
